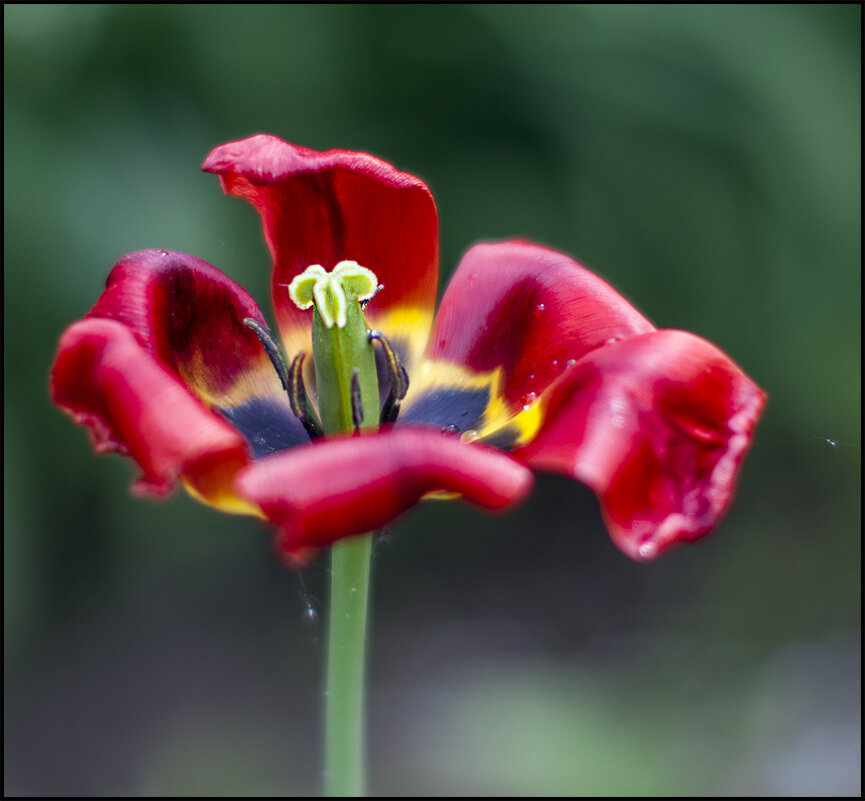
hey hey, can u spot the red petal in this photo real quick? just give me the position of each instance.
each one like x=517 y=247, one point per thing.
x=105 y=380
x=657 y=425
x=325 y=207
x=527 y=309
x=339 y=487
x=189 y=315
x=514 y=317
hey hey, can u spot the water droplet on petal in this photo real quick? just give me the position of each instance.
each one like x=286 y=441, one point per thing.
x=554 y=364
x=470 y=436
x=162 y=252
x=648 y=550
x=612 y=340
x=570 y=362
x=540 y=307
x=528 y=399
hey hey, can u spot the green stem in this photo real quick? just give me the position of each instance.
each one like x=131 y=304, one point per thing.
x=345 y=757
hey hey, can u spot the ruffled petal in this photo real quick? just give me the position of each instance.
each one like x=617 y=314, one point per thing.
x=344 y=486
x=189 y=316
x=514 y=318
x=658 y=426
x=133 y=405
x=327 y=207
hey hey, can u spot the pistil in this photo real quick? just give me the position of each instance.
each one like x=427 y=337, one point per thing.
x=345 y=373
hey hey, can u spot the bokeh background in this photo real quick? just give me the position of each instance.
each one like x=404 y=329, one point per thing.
x=704 y=159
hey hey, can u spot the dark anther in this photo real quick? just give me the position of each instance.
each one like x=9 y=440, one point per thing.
x=397 y=376
x=297 y=390
x=298 y=400
x=270 y=346
x=291 y=378
x=389 y=409
x=356 y=400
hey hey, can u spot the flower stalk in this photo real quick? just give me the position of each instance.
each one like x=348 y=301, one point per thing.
x=344 y=722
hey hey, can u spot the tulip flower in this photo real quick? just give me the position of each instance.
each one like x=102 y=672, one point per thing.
x=363 y=401
x=531 y=362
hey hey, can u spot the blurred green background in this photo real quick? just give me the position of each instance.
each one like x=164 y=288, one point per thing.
x=703 y=159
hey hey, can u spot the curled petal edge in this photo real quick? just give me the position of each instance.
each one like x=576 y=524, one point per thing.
x=188 y=315
x=657 y=426
x=339 y=487
x=132 y=405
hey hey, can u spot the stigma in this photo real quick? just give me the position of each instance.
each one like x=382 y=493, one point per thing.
x=330 y=292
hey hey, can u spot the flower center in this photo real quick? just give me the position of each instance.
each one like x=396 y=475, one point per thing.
x=342 y=350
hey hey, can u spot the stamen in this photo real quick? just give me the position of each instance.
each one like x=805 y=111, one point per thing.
x=389 y=410
x=396 y=372
x=397 y=376
x=291 y=378
x=271 y=348
x=298 y=400
x=356 y=400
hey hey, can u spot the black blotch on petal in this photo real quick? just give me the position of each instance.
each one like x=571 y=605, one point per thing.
x=267 y=425
x=461 y=409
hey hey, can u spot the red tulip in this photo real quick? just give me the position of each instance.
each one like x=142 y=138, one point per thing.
x=532 y=362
